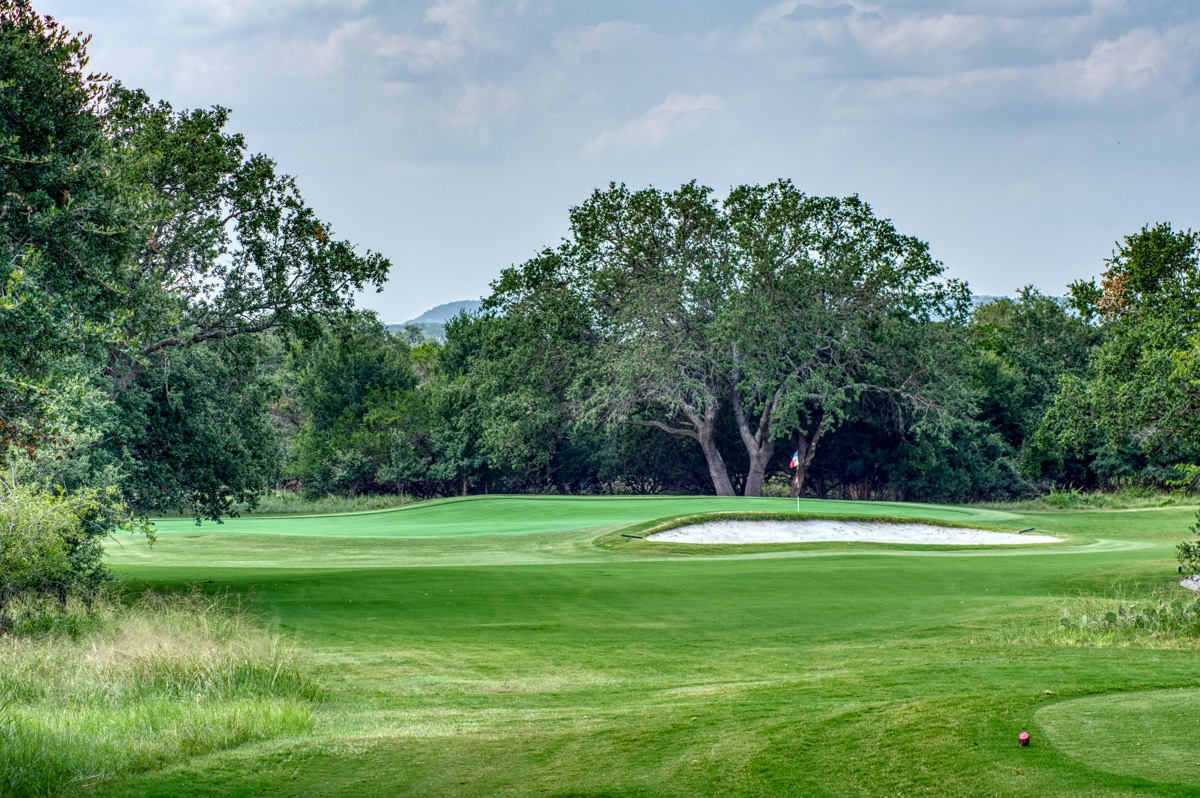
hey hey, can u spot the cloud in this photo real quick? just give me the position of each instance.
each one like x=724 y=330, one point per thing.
x=480 y=107
x=323 y=38
x=599 y=39
x=467 y=30
x=224 y=14
x=856 y=38
x=871 y=62
x=678 y=113
x=1143 y=63
x=1139 y=70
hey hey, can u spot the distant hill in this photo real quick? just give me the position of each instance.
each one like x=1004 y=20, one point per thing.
x=443 y=313
x=433 y=321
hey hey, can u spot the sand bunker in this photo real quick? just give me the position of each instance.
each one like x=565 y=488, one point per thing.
x=816 y=531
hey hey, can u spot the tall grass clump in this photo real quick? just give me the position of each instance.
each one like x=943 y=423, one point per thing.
x=1162 y=619
x=283 y=502
x=93 y=693
x=1126 y=498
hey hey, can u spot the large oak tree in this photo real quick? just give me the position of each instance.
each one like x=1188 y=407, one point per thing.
x=64 y=243
x=779 y=308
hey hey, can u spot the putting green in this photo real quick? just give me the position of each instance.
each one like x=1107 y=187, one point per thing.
x=515 y=515
x=1153 y=734
x=525 y=530
x=501 y=530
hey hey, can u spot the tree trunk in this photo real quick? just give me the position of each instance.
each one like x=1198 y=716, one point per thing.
x=758 y=469
x=716 y=464
x=807 y=450
x=758 y=443
x=704 y=431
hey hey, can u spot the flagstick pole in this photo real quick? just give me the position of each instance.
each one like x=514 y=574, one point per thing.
x=796 y=465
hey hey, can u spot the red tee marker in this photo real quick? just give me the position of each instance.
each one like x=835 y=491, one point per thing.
x=1023 y=739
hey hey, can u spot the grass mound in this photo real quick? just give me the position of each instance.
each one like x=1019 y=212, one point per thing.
x=1147 y=734
x=92 y=694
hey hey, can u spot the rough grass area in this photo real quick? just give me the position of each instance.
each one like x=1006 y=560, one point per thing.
x=1071 y=499
x=115 y=689
x=283 y=502
x=287 y=502
x=1166 y=618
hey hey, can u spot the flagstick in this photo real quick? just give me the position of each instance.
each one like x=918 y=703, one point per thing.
x=796 y=465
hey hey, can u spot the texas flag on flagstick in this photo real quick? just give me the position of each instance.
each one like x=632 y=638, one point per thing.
x=795 y=460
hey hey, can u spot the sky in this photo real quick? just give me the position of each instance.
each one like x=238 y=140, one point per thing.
x=1020 y=138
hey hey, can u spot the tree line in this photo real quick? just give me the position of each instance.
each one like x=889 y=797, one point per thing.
x=766 y=341
x=177 y=333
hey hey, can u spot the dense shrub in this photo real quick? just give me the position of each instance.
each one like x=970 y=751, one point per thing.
x=50 y=543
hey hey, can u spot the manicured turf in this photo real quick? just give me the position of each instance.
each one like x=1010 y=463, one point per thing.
x=487 y=647
x=522 y=515
x=1153 y=734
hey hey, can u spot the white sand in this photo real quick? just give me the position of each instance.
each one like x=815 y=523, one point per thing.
x=814 y=531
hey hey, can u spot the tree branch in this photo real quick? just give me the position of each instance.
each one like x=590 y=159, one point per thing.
x=667 y=428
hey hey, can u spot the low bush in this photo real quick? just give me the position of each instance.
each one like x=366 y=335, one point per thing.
x=50 y=543
x=1188 y=552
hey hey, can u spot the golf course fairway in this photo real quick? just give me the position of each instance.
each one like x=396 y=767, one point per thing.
x=512 y=646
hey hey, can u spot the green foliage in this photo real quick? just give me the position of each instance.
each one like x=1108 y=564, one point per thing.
x=1025 y=347
x=1188 y=552
x=284 y=502
x=832 y=303
x=1131 y=413
x=176 y=321
x=51 y=544
x=1006 y=371
x=533 y=347
x=1128 y=498
x=227 y=245
x=64 y=242
x=81 y=416
x=360 y=416
x=634 y=459
x=192 y=431
x=145 y=243
x=672 y=310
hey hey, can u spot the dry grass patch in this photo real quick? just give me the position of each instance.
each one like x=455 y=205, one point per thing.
x=117 y=688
